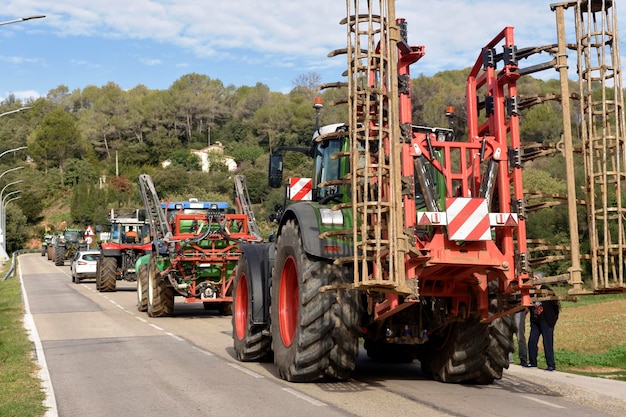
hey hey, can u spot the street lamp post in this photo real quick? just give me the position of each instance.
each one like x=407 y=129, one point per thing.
x=4 y=256
x=22 y=19
x=11 y=150
x=15 y=111
x=3 y=253
x=10 y=170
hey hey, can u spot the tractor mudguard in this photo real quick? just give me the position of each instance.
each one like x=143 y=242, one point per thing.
x=260 y=259
x=142 y=260
x=307 y=216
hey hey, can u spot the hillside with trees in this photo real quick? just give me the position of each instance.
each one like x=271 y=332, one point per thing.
x=87 y=147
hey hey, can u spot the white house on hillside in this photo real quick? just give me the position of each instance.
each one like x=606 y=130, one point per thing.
x=217 y=150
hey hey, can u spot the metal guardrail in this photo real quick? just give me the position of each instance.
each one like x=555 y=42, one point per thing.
x=14 y=256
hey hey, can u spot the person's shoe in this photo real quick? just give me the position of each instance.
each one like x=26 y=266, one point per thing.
x=524 y=364
x=530 y=365
x=550 y=368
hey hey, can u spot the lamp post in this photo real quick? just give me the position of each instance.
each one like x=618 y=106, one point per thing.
x=9 y=170
x=15 y=111
x=22 y=19
x=3 y=253
x=4 y=256
x=11 y=150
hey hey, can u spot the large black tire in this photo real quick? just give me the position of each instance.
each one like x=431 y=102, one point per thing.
x=314 y=333
x=49 y=252
x=142 y=288
x=98 y=271
x=107 y=274
x=500 y=346
x=59 y=256
x=160 y=296
x=250 y=343
x=43 y=250
x=459 y=354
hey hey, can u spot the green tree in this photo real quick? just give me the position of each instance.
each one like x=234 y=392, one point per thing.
x=55 y=140
x=185 y=159
x=17 y=232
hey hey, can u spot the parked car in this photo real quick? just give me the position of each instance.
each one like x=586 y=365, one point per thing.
x=84 y=265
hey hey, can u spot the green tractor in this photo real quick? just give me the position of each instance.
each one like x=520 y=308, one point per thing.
x=47 y=240
x=67 y=245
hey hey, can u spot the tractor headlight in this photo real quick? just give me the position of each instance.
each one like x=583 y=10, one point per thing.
x=331 y=217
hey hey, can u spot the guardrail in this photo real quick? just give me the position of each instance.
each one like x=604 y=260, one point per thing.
x=14 y=256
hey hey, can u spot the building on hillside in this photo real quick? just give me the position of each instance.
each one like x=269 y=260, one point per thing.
x=213 y=152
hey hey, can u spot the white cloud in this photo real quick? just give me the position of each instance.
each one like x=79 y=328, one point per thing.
x=21 y=95
x=288 y=34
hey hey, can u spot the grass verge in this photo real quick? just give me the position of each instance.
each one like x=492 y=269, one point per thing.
x=20 y=388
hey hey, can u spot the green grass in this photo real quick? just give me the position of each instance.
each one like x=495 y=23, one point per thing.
x=20 y=389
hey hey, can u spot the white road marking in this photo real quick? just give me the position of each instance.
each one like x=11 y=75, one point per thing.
x=155 y=326
x=180 y=339
x=305 y=397
x=206 y=352
x=542 y=401
x=245 y=371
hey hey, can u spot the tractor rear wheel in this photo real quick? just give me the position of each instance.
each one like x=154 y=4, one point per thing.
x=249 y=341
x=142 y=288
x=458 y=355
x=59 y=256
x=107 y=274
x=500 y=345
x=500 y=339
x=160 y=296
x=314 y=333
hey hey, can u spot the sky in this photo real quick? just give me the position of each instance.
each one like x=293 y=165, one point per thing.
x=239 y=42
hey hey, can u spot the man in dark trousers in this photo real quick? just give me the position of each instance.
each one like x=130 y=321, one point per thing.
x=543 y=318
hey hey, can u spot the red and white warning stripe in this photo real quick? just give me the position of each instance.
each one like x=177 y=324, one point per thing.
x=468 y=219
x=300 y=188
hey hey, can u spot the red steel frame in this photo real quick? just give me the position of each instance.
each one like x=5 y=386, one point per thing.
x=463 y=271
x=193 y=253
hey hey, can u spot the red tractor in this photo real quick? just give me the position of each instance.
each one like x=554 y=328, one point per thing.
x=129 y=239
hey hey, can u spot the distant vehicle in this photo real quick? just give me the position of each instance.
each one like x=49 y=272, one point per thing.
x=83 y=264
x=47 y=240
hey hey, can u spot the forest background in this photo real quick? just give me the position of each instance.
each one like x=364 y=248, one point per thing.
x=87 y=147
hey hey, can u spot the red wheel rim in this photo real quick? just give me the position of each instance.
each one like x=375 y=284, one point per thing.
x=241 y=307
x=288 y=301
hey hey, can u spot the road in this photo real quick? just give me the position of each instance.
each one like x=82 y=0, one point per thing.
x=104 y=358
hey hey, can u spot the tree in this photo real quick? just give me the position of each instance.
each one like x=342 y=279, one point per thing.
x=17 y=231
x=185 y=159
x=55 y=140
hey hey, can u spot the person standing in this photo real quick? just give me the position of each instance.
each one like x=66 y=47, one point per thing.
x=543 y=318
x=522 y=347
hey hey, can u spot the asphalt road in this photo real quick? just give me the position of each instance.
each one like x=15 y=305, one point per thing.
x=101 y=357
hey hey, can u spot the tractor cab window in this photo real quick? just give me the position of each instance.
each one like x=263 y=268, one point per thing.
x=116 y=232
x=327 y=168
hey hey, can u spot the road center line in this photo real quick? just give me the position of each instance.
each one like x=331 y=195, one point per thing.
x=206 y=352
x=305 y=397
x=245 y=371
x=542 y=402
x=180 y=339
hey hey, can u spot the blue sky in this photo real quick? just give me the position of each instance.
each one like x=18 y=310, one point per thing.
x=240 y=42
